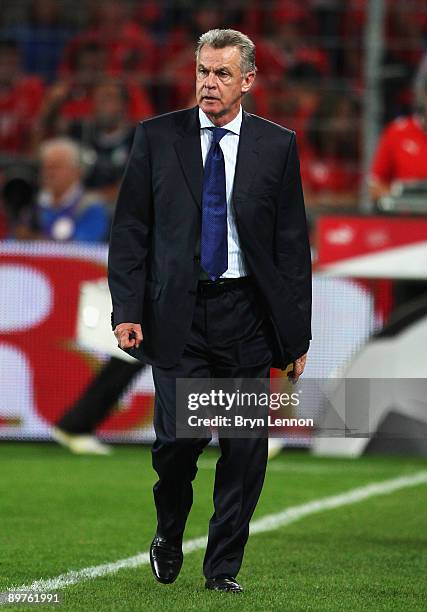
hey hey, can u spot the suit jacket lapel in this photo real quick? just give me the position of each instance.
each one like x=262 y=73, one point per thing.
x=247 y=159
x=189 y=152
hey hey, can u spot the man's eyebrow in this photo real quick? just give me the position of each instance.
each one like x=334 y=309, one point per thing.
x=217 y=69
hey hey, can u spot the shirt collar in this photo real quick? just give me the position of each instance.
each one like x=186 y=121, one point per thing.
x=70 y=197
x=233 y=126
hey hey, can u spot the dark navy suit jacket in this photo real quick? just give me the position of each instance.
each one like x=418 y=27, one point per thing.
x=154 y=262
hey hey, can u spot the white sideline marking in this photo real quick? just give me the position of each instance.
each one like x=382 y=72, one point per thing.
x=266 y=523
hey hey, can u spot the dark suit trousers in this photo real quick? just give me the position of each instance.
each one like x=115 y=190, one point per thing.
x=230 y=337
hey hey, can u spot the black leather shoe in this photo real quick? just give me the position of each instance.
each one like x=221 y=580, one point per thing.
x=227 y=584
x=166 y=559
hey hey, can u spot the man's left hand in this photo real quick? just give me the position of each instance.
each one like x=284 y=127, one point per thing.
x=297 y=368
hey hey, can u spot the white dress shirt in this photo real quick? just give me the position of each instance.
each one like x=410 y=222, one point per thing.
x=229 y=145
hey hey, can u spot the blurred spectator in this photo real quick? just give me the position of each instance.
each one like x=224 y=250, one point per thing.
x=295 y=97
x=290 y=42
x=72 y=99
x=52 y=203
x=151 y=15
x=20 y=101
x=41 y=39
x=128 y=47
x=107 y=136
x=66 y=211
x=330 y=155
x=401 y=153
x=401 y=156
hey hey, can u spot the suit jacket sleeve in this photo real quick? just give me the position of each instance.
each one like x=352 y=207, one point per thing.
x=130 y=235
x=292 y=247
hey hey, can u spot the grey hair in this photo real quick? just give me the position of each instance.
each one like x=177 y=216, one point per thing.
x=218 y=39
x=63 y=144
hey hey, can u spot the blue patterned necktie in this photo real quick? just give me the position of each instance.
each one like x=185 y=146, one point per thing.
x=214 y=251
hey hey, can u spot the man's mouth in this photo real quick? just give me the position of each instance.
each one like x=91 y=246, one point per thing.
x=209 y=98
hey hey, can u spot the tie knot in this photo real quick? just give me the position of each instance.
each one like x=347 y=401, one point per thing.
x=217 y=134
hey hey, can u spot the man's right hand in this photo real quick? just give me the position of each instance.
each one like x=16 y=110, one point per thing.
x=129 y=335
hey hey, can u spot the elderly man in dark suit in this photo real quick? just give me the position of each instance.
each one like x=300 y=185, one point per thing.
x=210 y=276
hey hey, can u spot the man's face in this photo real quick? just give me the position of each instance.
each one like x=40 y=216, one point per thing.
x=109 y=105
x=220 y=83
x=58 y=172
x=90 y=64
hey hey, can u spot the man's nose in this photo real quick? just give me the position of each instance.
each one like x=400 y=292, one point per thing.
x=210 y=80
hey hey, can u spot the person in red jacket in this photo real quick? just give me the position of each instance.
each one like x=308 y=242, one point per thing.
x=401 y=153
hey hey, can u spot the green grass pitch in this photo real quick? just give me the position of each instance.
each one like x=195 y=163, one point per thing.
x=59 y=513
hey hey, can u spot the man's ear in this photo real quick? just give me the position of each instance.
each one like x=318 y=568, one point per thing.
x=248 y=81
